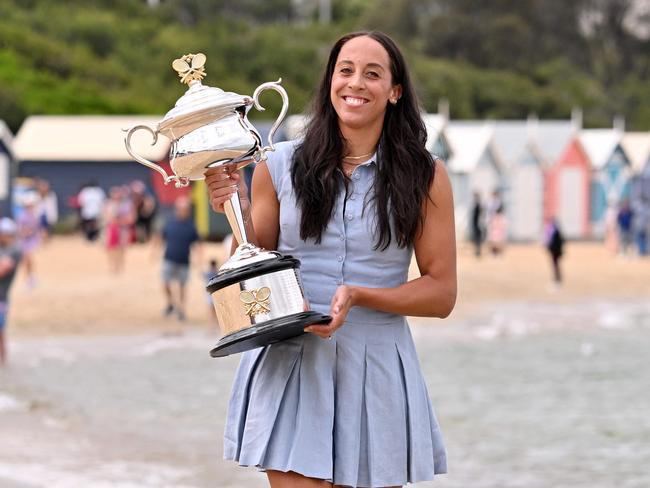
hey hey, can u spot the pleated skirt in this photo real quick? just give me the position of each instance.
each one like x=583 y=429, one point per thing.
x=353 y=410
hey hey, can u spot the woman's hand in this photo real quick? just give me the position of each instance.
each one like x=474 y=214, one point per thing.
x=222 y=183
x=342 y=302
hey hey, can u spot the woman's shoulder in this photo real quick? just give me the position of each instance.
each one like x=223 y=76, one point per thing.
x=283 y=151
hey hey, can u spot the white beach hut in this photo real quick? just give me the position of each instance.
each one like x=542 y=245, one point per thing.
x=473 y=166
x=637 y=149
x=523 y=179
x=437 y=143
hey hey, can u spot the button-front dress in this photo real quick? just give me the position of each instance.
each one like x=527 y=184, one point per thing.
x=353 y=410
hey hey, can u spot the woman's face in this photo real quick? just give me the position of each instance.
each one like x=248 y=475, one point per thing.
x=362 y=83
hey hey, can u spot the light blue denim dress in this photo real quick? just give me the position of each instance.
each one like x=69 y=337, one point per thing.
x=355 y=409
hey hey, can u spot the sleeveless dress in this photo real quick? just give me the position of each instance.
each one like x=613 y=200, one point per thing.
x=353 y=410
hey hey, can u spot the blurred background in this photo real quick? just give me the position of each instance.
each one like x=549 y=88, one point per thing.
x=540 y=110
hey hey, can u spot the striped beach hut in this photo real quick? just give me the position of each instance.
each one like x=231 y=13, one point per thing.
x=7 y=169
x=473 y=166
x=70 y=151
x=610 y=173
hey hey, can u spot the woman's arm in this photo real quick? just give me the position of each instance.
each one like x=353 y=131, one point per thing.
x=262 y=216
x=433 y=294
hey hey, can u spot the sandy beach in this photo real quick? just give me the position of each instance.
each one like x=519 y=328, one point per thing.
x=76 y=293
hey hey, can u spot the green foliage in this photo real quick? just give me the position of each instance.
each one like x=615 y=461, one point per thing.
x=500 y=59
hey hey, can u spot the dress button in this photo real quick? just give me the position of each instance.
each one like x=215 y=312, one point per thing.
x=339 y=281
x=352 y=197
x=350 y=217
x=357 y=176
x=340 y=258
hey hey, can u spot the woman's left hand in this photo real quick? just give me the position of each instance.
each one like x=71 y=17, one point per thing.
x=342 y=302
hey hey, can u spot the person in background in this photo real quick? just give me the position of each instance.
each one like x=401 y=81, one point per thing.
x=208 y=274
x=47 y=207
x=554 y=242
x=476 y=224
x=29 y=235
x=10 y=256
x=179 y=235
x=497 y=232
x=118 y=216
x=91 y=204
x=624 y=222
x=145 y=208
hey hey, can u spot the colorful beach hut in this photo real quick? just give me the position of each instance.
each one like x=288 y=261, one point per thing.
x=7 y=169
x=610 y=174
x=473 y=166
x=567 y=190
x=637 y=147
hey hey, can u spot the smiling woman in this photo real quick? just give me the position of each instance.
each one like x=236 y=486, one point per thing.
x=352 y=200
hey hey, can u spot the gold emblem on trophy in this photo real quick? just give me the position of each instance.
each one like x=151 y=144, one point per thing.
x=256 y=301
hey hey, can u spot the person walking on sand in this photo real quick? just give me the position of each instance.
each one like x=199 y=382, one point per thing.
x=47 y=207
x=180 y=236
x=497 y=233
x=91 y=205
x=10 y=256
x=353 y=200
x=554 y=242
x=476 y=224
x=29 y=235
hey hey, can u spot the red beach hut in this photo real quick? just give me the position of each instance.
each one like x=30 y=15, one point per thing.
x=567 y=191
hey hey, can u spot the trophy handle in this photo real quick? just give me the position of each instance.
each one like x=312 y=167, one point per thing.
x=271 y=85
x=178 y=180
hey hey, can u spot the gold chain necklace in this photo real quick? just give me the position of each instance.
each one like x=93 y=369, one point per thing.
x=348 y=172
x=356 y=158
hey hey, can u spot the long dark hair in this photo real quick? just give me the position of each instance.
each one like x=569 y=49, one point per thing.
x=405 y=169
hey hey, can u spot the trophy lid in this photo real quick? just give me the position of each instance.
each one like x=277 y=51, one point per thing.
x=200 y=104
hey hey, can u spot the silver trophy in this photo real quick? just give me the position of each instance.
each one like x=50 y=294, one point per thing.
x=257 y=294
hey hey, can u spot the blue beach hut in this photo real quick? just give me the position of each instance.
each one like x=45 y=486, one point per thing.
x=610 y=173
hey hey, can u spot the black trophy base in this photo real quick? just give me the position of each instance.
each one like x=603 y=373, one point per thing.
x=268 y=332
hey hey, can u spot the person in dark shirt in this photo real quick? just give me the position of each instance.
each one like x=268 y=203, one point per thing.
x=476 y=224
x=179 y=235
x=554 y=242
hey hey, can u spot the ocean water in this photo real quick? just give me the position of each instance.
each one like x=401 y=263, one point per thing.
x=528 y=395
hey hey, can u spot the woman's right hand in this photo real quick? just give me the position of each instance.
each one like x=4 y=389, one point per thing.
x=222 y=183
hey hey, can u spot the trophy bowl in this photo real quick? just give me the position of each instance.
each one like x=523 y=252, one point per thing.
x=257 y=294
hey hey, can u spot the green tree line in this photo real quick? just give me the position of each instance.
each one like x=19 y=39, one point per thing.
x=493 y=58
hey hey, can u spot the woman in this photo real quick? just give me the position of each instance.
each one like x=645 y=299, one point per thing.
x=352 y=201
